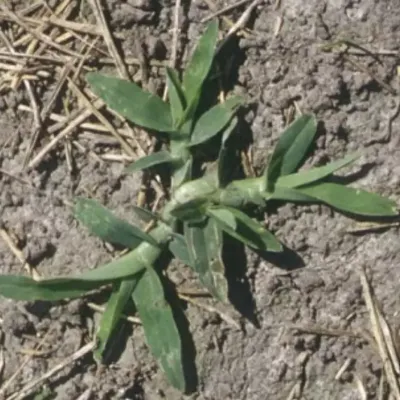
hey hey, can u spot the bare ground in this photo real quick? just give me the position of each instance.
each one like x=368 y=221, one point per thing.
x=281 y=65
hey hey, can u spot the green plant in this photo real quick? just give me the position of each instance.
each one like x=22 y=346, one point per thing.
x=201 y=208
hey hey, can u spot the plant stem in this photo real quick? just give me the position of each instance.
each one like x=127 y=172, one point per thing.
x=237 y=194
x=243 y=192
x=148 y=253
x=180 y=152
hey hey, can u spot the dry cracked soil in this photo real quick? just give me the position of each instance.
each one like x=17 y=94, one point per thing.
x=281 y=63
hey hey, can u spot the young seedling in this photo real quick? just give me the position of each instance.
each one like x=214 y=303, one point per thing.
x=200 y=210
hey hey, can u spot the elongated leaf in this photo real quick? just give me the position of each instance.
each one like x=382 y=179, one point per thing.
x=102 y=223
x=354 y=201
x=160 y=157
x=116 y=303
x=144 y=214
x=24 y=288
x=214 y=120
x=288 y=194
x=129 y=100
x=224 y=166
x=247 y=230
x=175 y=95
x=225 y=215
x=204 y=243
x=228 y=131
x=193 y=210
x=162 y=334
x=291 y=148
x=182 y=173
x=314 y=174
x=214 y=246
x=199 y=66
x=185 y=127
x=179 y=249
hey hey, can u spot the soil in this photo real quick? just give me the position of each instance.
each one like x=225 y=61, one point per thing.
x=317 y=289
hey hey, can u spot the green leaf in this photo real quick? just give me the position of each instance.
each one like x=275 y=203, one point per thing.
x=224 y=166
x=24 y=288
x=102 y=223
x=287 y=194
x=182 y=173
x=193 y=210
x=175 y=95
x=350 y=200
x=199 y=66
x=291 y=148
x=116 y=303
x=247 y=230
x=144 y=214
x=214 y=120
x=185 y=127
x=179 y=249
x=160 y=157
x=314 y=174
x=225 y=215
x=204 y=243
x=129 y=100
x=161 y=332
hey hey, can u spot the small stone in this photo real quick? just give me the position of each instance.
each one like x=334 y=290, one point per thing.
x=147 y=5
x=126 y=16
x=36 y=250
x=156 y=48
x=75 y=306
x=16 y=322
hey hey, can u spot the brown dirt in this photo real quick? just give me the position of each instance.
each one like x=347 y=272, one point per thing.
x=259 y=363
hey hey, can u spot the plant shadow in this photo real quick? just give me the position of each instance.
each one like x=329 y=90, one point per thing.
x=362 y=172
x=288 y=259
x=136 y=391
x=222 y=79
x=240 y=293
x=321 y=131
x=227 y=62
x=118 y=341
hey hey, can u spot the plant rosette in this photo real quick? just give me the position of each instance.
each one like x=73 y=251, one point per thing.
x=201 y=208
